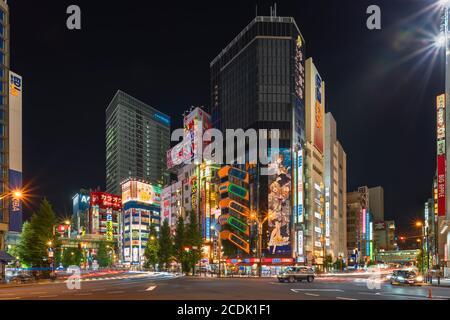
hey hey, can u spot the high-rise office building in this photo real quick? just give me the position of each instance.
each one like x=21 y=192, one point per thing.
x=137 y=139
x=359 y=226
x=335 y=179
x=258 y=82
x=376 y=195
x=11 y=87
x=316 y=242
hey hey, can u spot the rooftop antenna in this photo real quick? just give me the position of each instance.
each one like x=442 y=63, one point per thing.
x=270 y=11
x=275 y=11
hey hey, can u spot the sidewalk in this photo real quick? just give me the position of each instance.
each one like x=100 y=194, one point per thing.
x=444 y=282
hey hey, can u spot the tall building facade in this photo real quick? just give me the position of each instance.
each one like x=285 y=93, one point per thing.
x=4 y=105
x=11 y=87
x=316 y=241
x=137 y=139
x=376 y=195
x=258 y=82
x=335 y=179
x=359 y=226
x=141 y=209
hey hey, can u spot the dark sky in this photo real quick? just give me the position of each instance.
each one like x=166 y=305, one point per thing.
x=159 y=52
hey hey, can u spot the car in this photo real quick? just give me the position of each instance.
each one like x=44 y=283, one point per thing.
x=405 y=277
x=293 y=274
x=21 y=277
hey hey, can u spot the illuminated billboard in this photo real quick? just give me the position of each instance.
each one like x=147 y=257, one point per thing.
x=195 y=124
x=441 y=151
x=15 y=149
x=279 y=201
x=139 y=191
x=105 y=200
x=319 y=114
x=166 y=204
x=299 y=114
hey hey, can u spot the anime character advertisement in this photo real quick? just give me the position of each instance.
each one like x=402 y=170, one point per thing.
x=279 y=202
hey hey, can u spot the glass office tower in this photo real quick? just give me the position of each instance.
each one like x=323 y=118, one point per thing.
x=4 y=127
x=137 y=139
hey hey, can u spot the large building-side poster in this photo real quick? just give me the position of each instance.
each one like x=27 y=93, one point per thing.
x=441 y=151
x=280 y=204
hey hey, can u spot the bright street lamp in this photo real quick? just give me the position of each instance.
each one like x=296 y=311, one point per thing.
x=439 y=41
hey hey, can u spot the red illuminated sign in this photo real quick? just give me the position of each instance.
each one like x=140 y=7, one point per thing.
x=441 y=151
x=441 y=185
x=105 y=200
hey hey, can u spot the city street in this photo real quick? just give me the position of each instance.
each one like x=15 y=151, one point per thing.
x=169 y=287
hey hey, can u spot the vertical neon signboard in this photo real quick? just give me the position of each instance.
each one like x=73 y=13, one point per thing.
x=441 y=151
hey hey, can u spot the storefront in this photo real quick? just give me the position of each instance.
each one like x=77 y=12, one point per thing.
x=249 y=266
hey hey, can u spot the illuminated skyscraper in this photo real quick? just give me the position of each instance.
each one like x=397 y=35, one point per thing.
x=335 y=179
x=137 y=139
x=258 y=82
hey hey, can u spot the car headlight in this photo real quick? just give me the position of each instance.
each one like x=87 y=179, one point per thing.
x=419 y=278
x=401 y=278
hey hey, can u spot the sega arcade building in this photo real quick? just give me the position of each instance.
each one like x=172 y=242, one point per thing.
x=141 y=207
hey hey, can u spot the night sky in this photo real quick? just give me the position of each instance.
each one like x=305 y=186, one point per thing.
x=380 y=92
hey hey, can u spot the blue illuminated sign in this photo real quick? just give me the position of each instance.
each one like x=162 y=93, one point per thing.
x=162 y=118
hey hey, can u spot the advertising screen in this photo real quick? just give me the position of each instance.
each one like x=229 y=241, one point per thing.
x=279 y=200
x=134 y=190
x=105 y=200
x=319 y=115
x=441 y=184
x=441 y=151
x=15 y=149
x=300 y=186
x=166 y=204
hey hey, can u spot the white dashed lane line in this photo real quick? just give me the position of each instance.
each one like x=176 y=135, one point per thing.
x=150 y=288
x=344 y=298
x=312 y=294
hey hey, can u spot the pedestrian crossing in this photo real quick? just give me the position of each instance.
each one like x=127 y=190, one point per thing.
x=131 y=276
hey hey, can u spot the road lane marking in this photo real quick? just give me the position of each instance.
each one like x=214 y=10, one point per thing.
x=312 y=294
x=150 y=288
x=101 y=289
x=114 y=292
x=344 y=298
x=318 y=290
x=6 y=294
x=83 y=294
x=48 y=296
x=11 y=298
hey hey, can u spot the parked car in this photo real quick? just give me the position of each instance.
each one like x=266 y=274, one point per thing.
x=21 y=277
x=405 y=277
x=293 y=274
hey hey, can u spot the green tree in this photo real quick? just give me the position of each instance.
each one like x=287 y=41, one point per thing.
x=37 y=236
x=165 y=246
x=179 y=244
x=328 y=262
x=194 y=241
x=103 y=256
x=151 y=250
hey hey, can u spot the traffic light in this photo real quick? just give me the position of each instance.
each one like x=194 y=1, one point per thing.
x=402 y=238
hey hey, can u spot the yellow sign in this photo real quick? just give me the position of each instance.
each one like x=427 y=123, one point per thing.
x=299 y=42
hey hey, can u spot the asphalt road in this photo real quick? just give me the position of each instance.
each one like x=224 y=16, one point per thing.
x=168 y=287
